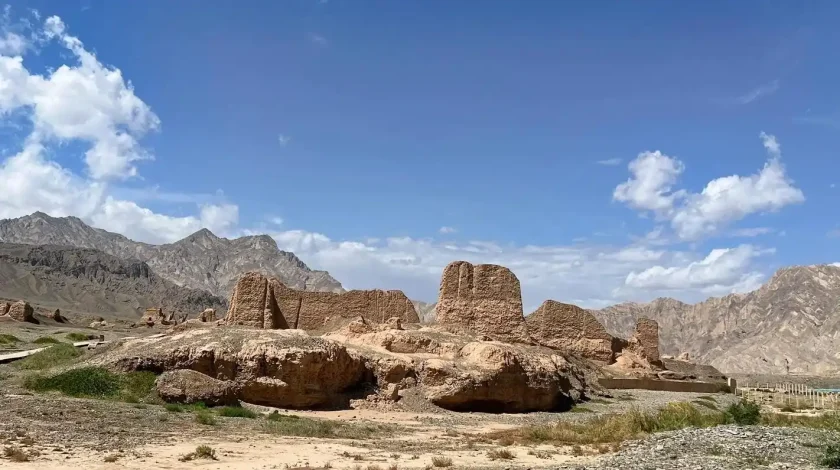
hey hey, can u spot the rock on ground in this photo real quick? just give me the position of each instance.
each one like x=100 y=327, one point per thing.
x=570 y=328
x=22 y=311
x=284 y=368
x=208 y=315
x=484 y=298
x=464 y=373
x=189 y=386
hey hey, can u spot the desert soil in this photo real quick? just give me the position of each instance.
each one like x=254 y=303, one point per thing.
x=63 y=432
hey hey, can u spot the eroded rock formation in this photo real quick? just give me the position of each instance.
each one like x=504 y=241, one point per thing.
x=189 y=386
x=4 y=308
x=208 y=315
x=645 y=341
x=22 y=311
x=484 y=298
x=55 y=315
x=570 y=328
x=266 y=303
x=284 y=368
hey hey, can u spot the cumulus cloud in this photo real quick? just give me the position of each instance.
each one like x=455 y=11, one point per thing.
x=447 y=230
x=650 y=186
x=93 y=104
x=722 y=271
x=723 y=201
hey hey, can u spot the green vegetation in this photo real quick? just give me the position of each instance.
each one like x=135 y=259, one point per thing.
x=831 y=456
x=95 y=382
x=706 y=404
x=235 y=412
x=580 y=409
x=205 y=417
x=500 y=454
x=77 y=336
x=6 y=339
x=201 y=452
x=53 y=356
x=46 y=340
x=180 y=408
x=744 y=412
x=291 y=425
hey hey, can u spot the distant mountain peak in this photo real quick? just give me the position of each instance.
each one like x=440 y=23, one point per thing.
x=199 y=261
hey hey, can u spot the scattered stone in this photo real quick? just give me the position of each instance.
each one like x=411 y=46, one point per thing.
x=484 y=298
x=685 y=357
x=22 y=311
x=4 y=308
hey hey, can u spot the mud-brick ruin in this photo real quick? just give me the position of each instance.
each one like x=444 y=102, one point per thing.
x=283 y=347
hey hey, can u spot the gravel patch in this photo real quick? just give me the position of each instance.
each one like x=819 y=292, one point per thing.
x=720 y=448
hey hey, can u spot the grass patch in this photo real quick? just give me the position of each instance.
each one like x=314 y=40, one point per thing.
x=95 y=382
x=76 y=336
x=53 y=356
x=205 y=417
x=440 y=461
x=8 y=339
x=706 y=404
x=112 y=458
x=580 y=409
x=235 y=412
x=614 y=427
x=500 y=454
x=831 y=456
x=744 y=412
x=46 y=340
x=291 y=425
x=599 y=401
x=200 y=452
x=15 y=454
x=181 y=408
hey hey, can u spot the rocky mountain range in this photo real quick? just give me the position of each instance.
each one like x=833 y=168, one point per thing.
x=200 y=261
x=91 y=282
x=790 y=324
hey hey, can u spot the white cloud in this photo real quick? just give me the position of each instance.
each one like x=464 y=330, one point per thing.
x=275 y=220
x=447 y=230
x=12 y=44
x=87 y=101
x=723 y=201
x=724 y=270
x=610 y=162
x=91 y=103
x=283 y=140
x=759 y=92
x=649 y=188
x=318 y=39
x=752 y=232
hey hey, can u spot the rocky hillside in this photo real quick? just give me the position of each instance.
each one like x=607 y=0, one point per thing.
x=199 y=261
x=790 y=323
x=89 y=281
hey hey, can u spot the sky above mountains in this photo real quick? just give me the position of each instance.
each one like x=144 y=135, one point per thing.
x=606 y=151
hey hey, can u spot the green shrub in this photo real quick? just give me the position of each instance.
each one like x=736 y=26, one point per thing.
x=77 y=336
x=95 y=382
x=831 y=456
x=235 y=412
x=744 y=412
x=8 y=339
x=291 y=425
x=53 y=356
x=201 y=452
x=180 y=407
x=84 y=382
x=204 y=417
x=46 y=340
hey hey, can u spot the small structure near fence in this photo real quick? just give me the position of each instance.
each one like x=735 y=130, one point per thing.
x=791 y=395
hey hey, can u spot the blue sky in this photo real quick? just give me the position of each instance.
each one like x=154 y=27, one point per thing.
x=365 y=128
